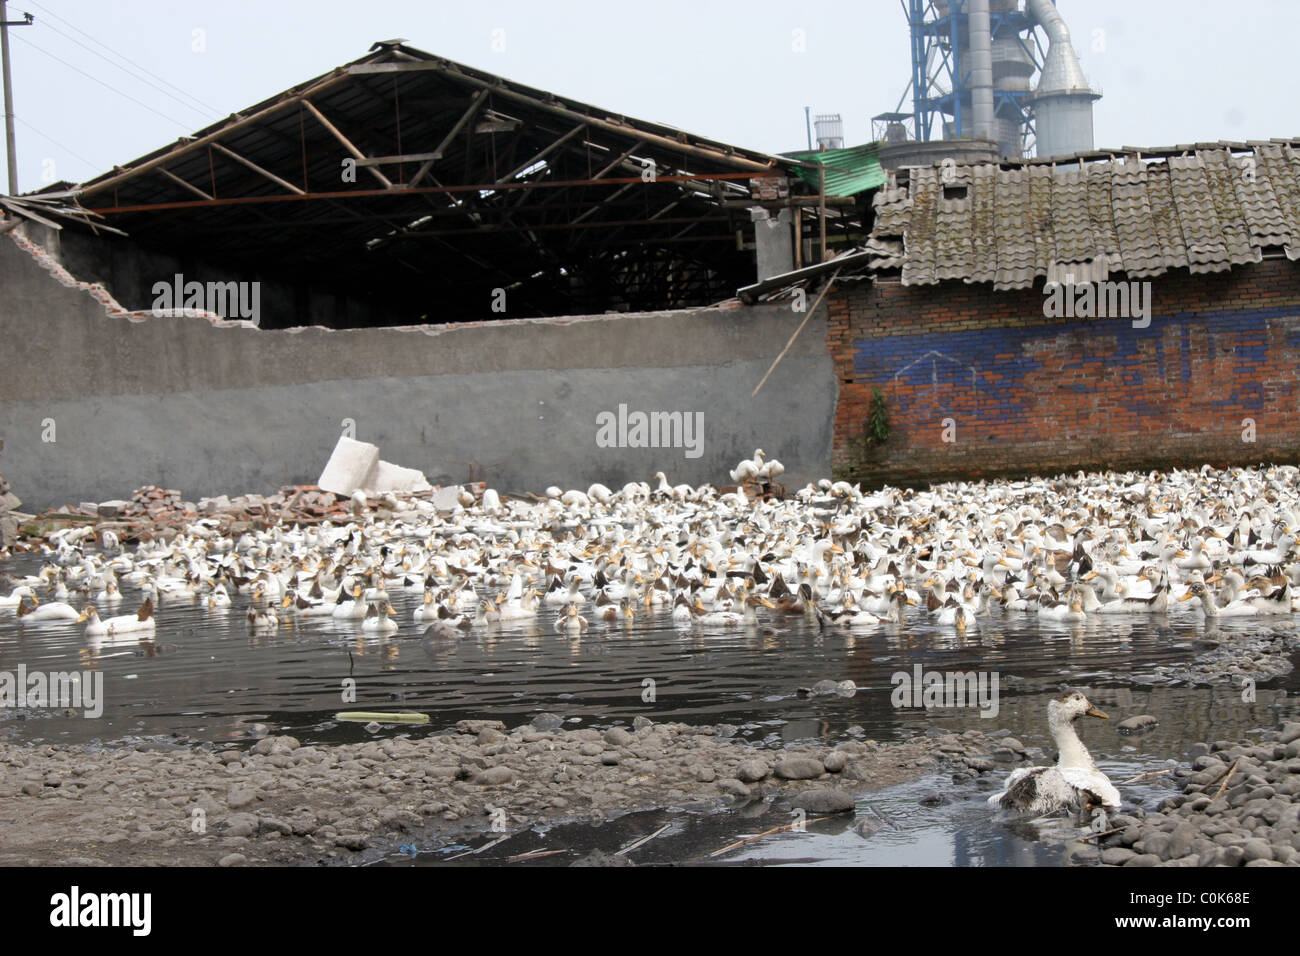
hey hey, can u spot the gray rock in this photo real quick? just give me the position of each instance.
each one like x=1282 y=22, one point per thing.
x=494 y=777
x=641 y=723
x=751 y=771
x=824 y=801
x=1180 y=841
x=489 y=735
x=232 y=859
x=1290 y=732
x=240 y=796
x=798 y=768
x=1256 y=850
x=1136 y=724
x=618 y=737
x=1143 y=859
x=548 y=722
x=475 y=727
x=834 y=761
x=1116 y=855
x=241 y=825
x=734 y=787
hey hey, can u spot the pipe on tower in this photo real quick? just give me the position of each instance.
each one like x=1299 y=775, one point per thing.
x=981 y=69
x=1062 y=100
x=1061 y=70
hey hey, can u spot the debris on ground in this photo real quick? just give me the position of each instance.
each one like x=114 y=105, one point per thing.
x=154 y=512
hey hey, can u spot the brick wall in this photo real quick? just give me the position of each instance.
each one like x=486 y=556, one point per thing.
x=1027 y=393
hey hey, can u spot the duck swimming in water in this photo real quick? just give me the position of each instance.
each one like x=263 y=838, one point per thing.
x=141 y=620
x=1074 y=783
x=30 y=610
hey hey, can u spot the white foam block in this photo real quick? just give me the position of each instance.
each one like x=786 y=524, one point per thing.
x=395 y=478
x=350 y=466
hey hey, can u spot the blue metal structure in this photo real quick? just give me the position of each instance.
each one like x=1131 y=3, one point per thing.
x=939 y=39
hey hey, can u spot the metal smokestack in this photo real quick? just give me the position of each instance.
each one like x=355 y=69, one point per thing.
x=981 y=70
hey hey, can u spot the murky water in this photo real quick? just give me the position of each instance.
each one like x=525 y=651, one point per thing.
x=891 y=827
x=203 y=675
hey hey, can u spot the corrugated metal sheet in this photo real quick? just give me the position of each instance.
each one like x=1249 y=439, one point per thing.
x=1214 y=207
x=848 y=171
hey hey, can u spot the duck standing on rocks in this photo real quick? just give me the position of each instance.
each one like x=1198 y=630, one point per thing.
x=1074 y=783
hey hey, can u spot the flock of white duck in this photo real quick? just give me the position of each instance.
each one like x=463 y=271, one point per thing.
x=1065 y=549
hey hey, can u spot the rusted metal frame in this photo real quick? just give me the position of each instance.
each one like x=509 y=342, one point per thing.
x=287 y=141
x=622 y=157
x=200 y=193
x=339 y=76
x=504 y=92
x=476 y=101
x=266 y=173
x=347 y=143
x=364 y=193
x=555 y=226
x=183 y=184
x=398 y=160
x=615 y=233
x=542 y=154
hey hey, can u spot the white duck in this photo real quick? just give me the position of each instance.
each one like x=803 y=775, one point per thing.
x=1074 y=783
x=379 y=619
x=141 y=620
x=30 y=611
x=748 y=468
x=1198 y=589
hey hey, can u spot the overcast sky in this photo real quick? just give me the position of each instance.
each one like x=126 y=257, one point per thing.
x=1172 y=71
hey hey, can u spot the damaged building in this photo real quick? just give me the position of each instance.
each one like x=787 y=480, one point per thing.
x=457 y=268
x=470 y=275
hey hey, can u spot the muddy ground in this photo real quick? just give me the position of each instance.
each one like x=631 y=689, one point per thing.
x=277 y=802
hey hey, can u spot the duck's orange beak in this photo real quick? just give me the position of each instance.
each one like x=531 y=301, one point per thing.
x=1094 y=712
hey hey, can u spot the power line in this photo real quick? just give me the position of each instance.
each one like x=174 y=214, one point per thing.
x=47 y=136
x=170 y=119
x=138 y=79
x=209 y=108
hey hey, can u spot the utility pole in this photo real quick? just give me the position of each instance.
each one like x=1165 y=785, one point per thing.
x=11 y=151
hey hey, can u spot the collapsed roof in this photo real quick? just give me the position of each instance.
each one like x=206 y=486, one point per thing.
x=461 y=183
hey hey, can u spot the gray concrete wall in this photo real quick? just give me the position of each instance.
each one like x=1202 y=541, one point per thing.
x=185 y=404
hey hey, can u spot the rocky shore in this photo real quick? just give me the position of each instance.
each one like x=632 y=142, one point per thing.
x=1238 y=806
x=1257 y=655
x=279 y=802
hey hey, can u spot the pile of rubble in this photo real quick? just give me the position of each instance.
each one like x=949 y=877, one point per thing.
x=8 y=503
x=757 y=489
x=354 y=481
x=154 y=512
